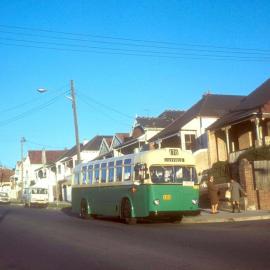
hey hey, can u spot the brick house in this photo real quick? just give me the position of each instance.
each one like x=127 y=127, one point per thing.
x=244 y=129
x=189 y=130
x=247 y=125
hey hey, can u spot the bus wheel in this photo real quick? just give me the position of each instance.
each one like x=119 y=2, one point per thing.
x=126 y=212
x=84 y=210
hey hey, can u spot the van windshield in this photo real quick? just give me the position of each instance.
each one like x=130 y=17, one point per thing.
x=172 y=174
x=39 y=191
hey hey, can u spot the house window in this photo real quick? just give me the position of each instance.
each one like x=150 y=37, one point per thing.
x=190 y=141
x=59 y=169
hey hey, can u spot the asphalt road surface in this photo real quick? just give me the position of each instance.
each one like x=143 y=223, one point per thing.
x=52 y=239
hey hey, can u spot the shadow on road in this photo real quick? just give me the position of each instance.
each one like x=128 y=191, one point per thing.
x=68 y=211
x=2 y=216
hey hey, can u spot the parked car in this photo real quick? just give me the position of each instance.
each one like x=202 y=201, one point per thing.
x=35 y=196
x=4 y=197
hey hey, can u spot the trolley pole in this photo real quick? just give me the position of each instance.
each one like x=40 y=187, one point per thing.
x=75 y=121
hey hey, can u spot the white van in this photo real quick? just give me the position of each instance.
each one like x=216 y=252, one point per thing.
x=35 y=196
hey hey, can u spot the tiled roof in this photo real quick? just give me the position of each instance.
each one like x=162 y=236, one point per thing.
x=122 y=136
x=69 y=153
x=210 y=105
x=152 y=122
x=248 y=105
x=171 y=114
x=35 y=156
x=94 y=144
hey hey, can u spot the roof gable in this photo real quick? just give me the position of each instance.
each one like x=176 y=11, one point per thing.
x=248 y=105
x=95 y=143
x=209 y=105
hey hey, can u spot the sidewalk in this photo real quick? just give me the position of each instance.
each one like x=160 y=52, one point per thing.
x=226 y=216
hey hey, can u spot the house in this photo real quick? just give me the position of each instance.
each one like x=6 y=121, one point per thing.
x=67 y=162
x=144 y=128
x=247 y=125
x=37 y=172
x=189 y=130
x=241 y=137
x=7 y=180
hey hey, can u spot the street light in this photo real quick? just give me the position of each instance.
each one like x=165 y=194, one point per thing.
x=73 y=99
x=23 y=140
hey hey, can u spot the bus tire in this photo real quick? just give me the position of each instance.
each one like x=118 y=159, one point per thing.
x=126 y=214
x=84 y=210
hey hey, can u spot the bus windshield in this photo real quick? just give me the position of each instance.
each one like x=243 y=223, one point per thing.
x=172 y=174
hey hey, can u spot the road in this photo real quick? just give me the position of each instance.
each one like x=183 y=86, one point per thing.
x=51 y=239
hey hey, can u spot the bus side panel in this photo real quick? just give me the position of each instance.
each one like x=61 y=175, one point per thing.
x=76 y=199
x=139 y=200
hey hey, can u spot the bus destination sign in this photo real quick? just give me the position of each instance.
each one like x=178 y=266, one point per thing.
x=174 y=160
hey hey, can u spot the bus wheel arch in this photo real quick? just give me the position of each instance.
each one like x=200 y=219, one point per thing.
x=84 y=209
x=126 y=211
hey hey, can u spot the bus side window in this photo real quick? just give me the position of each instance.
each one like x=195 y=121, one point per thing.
x=119 y=170
x=127 y=169
x=111 y=171
x=90 y=174
x=97 y=173
x=103 y=172
x=84 y=171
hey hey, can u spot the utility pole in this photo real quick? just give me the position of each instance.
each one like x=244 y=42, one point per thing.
x=75 y=121
x=22 y=142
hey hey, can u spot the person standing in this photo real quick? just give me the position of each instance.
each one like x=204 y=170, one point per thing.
x=213 y=194
x=235 y=190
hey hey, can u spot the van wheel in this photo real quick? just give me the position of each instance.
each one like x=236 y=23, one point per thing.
x=84 y=210
x=126 y=212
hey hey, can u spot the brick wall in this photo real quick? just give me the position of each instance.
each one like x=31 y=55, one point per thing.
x=264 y=198
x=246 y=180
x=257 y=199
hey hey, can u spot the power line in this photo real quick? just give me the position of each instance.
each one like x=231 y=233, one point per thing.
x=25 y=103
x=102 y=112
x=104 y=105
x=212 y=58
x=130 y=39
x=45 y=145
x=135 y=50
x=29 y=112
x=182 y=47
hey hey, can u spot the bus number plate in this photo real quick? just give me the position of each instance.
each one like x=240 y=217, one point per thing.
x=167 y=197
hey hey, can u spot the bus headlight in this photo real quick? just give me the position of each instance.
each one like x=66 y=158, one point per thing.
x=194 y=201
x=156 y=202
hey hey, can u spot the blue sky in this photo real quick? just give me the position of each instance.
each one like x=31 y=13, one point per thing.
x=174 y=78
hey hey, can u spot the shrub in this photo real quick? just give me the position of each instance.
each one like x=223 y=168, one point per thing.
x=260 y=153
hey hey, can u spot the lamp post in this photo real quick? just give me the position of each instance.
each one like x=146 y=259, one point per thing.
x=74 y=109
x=22 y=142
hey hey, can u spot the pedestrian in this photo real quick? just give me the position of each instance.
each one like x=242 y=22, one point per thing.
x=213 y=194
x=236 y=189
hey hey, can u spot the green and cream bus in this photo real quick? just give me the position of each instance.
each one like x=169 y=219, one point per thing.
x=158 y=183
